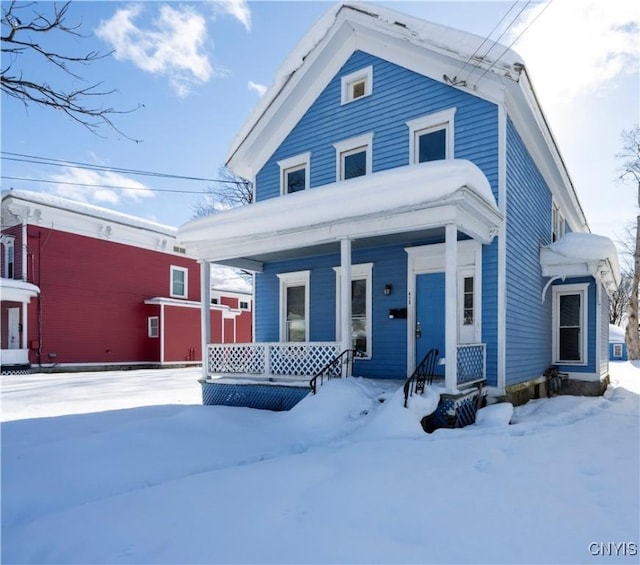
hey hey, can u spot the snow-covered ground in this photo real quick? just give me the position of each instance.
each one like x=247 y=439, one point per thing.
x=129 y=468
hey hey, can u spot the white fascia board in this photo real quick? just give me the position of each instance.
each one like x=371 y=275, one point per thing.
x=249 y=154
x=533 y=128
x=12 y=290
x=161 y=301
x=93 y=226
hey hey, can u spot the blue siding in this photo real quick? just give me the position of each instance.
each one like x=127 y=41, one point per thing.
x=398 y=95
x=389 y=348
x=490 y=309
x=604 y=332
x=528 y=322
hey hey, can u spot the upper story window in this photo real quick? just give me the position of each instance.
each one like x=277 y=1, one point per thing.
x=294 y=306
x=9 y=256
x=431 y=137
x=558 y=227
x=294 y=173
x=179 y=282
x=354 y=157
x=356 y=85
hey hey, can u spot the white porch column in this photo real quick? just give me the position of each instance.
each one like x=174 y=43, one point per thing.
x=451 y=307
x=205 y=316
x=345 y=294
x=25 y=328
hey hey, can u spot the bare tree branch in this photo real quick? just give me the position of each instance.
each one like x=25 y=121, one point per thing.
x=24 y=31
x=231 y=192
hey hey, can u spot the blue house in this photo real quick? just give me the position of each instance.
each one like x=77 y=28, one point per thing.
x=409 y=196
x=617 y=344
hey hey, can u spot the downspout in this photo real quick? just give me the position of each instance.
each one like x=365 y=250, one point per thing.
x=24 y=250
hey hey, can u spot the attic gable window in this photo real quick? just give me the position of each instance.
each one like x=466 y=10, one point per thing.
x=294 y=173
x=354 y=157
x=356 y=85
x=431 y=137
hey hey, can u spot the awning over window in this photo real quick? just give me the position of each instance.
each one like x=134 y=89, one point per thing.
x=404 y=200
x=581 y=255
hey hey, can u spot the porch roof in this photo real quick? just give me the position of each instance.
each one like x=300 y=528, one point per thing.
x=407 y=200
x=582 y=254
x=17 y=291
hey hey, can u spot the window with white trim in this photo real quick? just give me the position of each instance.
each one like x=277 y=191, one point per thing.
x=570 y=324
x=356 y=85
x=294 y=306
x=558 y=227
x=294 y=173
x=354 y=157
x=243 y=305
x=431 y=137
x=617 y=350
x=9 y=257
x=153 y=326
x=361 y=306
x=179 y=282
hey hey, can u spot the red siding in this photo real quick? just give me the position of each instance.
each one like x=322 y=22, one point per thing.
x=93 y=293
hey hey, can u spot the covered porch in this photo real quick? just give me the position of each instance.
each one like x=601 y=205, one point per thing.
x=14 y=352
x=449 y=203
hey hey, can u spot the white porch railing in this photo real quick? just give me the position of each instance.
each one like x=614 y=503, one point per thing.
x=471 y=363
x=303 y=359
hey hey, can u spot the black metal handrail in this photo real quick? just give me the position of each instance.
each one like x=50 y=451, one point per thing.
x=424 y=373
x=333 y=369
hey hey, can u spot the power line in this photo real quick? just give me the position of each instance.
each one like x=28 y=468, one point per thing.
x=34 y=159
x=516 y=39
x=108 y=186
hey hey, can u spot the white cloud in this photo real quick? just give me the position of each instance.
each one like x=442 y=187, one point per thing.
x=578 y=47
x=238 y=9
x=99 y=190
x=172 y=47
x=259 y=88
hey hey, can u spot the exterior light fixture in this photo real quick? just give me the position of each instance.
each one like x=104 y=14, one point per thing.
x=387 y=289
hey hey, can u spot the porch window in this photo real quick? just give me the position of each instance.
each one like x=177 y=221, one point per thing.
x=356 y=85
x=9 y=257
x=153 y=326
x=294 y=306
x=467 y=301
x=294 y=173
x=360 y=307
x=354 y=157
x=179 y=282
x=431 y=137
x=570 y=323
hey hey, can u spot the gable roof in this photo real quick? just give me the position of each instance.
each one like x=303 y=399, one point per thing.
x=432 y=50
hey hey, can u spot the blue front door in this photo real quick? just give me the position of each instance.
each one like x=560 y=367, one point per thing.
x=430 y=316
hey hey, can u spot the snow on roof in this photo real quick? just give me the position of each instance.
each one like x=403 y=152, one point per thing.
x=616 y=334
x=423 y=185
x=454 y=43
x=596 y=253
x=85 y=209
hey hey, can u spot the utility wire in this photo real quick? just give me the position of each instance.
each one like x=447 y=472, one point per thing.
x=19 y=157
x=108 y=186
x=486 y=39
x=495 y=42
x=516 y=39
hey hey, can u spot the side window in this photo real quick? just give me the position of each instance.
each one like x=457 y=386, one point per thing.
x=356 y=85
x=558 y=227
x=9 y=256
x=294 y=173
x=294 y=306
x=153 y=326
x=431 y=137
x=570 y=323
x=354 y=157
x=361 y=306
x=179 y=282
x=617 y=350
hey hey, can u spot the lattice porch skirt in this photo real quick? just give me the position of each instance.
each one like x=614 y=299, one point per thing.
x=455 y=410
x=253 y=395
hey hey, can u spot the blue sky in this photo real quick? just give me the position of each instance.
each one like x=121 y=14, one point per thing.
x=198 y=68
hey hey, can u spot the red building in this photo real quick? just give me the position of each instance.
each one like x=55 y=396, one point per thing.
x=84 y=286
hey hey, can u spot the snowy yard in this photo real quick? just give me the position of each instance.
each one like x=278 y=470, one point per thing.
x=129 y=468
